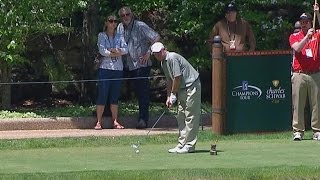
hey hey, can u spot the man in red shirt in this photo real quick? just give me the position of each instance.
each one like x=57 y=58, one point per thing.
x=306 y=77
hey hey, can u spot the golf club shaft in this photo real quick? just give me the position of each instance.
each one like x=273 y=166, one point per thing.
x=156 y=122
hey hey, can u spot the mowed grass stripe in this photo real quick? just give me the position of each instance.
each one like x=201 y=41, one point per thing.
x=268 y=173
x=231 y=155
x=204 y=136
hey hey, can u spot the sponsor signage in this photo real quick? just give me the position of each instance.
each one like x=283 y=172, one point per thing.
x=258 y=93
x=246 y=91
x=275 y=93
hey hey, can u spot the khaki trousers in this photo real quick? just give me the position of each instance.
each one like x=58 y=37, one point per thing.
x=305 y=86
x=189 y=112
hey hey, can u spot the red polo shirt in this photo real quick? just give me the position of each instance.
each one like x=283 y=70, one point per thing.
x=300 y=59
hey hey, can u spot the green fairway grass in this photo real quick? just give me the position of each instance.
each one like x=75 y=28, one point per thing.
x=270 y=156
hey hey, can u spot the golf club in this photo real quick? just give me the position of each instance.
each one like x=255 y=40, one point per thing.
x=136 y=146
x=156 y=122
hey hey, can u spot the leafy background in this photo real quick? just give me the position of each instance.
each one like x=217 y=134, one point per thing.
x=54 y=40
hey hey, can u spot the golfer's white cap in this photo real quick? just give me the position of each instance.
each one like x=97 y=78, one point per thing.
x=156 y=47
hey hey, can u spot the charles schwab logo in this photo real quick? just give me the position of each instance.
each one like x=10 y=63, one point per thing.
x=275 y=93
x=246 y=91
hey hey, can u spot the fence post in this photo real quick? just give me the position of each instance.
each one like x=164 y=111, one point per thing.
x=218 y=87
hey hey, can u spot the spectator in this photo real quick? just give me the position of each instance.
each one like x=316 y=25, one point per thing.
x=182 y=81
x=297 y=27
x=235 y=32
x=306 y=77
x=139 y=37
x=111 y=47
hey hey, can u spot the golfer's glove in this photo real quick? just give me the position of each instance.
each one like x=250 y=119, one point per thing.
x=172 y=98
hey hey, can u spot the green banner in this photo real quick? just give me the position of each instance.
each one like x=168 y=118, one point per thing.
x=258 y=93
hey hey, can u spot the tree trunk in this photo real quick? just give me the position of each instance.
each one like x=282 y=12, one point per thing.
x=5 y=90
x=89 y=27
x=85 y=54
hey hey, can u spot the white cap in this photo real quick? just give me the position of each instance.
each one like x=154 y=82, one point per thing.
x=156 y=47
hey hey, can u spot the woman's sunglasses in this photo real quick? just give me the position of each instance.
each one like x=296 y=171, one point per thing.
x=112 y=21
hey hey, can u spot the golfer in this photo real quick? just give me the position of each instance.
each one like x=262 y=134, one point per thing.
x=183 y=84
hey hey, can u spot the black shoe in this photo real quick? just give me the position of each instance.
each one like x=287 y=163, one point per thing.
x=141 y=124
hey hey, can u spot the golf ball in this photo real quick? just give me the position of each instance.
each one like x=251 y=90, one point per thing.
x=137 y=151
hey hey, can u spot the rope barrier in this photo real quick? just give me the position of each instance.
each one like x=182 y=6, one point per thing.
x=77 y=81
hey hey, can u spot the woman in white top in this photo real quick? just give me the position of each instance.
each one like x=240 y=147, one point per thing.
x=111 y=47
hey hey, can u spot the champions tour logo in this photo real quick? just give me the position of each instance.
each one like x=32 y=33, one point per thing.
x=275 y=92
x=246 y=91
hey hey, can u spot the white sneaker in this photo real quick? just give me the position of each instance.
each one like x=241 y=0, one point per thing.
x=175 y=149
x=316 y=136
x=297 y=136
x=186 y=149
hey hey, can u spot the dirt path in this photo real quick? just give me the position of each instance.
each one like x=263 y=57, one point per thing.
x=24 y=134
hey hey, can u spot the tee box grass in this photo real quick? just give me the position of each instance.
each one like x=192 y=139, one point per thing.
x=245 y=156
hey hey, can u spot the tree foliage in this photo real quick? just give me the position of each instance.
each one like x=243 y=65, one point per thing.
x=19 y=20
x=184 y=25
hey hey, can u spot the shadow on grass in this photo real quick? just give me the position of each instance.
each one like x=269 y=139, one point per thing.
x=206 y=151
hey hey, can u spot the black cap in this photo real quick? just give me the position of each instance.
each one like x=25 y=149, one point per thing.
x=230 y=7
x=305 y=16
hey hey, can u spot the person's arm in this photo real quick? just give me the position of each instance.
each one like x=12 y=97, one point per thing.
x=175 y=85
x=145 y=57
x=157 y=39
x=214 y=32
x=123 y=45
x=169 y=87
x=172 y=90
x=103 y=51
x=298 y=46
x=316 y=10
x=152 y=37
